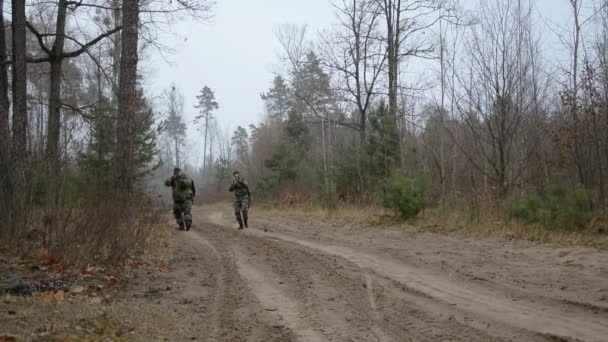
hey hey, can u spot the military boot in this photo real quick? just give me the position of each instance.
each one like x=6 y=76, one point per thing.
x=240 y=224
x=181 y=225
x=245 y=221
x=188 y=224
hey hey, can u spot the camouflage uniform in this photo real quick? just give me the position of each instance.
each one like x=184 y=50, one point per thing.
x=241 y=200
x=183 y=192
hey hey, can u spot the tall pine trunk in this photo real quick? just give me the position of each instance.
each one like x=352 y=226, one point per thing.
x=4 y=128
x=18 y=219
x=127 y=100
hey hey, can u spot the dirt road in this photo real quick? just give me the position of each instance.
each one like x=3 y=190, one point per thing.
x=302 y=279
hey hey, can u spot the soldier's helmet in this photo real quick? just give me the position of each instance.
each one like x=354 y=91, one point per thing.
x=177 y=170
x=236 y=173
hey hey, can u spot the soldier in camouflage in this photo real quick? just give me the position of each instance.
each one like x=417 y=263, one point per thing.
x=242 y=197
x=183 y=192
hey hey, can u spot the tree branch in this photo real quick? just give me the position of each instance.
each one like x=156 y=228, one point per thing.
x=40 y=38
x=87 y=45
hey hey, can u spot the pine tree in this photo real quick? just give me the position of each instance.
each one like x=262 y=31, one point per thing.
x=206 y=105
x=240 y=141
x=278 y=99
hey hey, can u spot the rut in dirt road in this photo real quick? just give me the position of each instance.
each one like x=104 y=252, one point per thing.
x=334 y=292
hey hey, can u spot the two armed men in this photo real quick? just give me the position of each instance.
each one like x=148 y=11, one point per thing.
x=183 y=192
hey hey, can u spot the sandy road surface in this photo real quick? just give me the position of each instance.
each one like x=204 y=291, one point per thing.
x=302 y=279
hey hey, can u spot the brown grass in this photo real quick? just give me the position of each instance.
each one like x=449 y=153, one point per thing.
x=367 y=215
x=105 y=232
x=36 y=319
x=491 y=224
x=488 y=224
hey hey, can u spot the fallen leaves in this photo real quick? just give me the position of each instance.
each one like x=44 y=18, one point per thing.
x=51 y=296
x=7 y=337
x=95 y=300
x=48 y=259
x=77 y=289
x=112 y=281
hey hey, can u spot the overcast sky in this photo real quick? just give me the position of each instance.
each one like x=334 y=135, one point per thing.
x=236 y=52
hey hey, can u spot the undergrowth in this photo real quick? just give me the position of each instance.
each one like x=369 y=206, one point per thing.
x=481 y=222
x=100 y=231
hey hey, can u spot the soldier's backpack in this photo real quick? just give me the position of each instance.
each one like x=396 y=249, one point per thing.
x=183 y=187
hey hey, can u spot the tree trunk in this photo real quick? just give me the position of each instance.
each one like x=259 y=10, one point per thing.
x=177 y=161
x=20 y=120
x=598 y=156
x=574 y=105
x=324 y=155
x=205 y=146
x=54 y=119
x=4 y=128
x=116 y=14
x=127 y=99
x=391 y=59
x=393 y=13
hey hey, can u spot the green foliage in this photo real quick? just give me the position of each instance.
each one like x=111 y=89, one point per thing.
x=146 y=135
x=346 y=175
x=311 y=86
x=278 y=100
x=206 y=103
x=288 y=154
x=382 y=149
x=556 y=207
x=265 y=186
x=240 y=141
x=174 y=125
x=284 y=161
x=329 y=201
x=96 y=161
x=405 y=196
x=222 y=171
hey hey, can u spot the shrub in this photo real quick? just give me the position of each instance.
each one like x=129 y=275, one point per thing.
x=405 y=196
x=557 y=207
x=329 y=201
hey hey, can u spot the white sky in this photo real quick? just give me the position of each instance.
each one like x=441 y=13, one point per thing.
x=235 y=54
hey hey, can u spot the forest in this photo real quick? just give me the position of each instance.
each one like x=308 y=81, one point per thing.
x=402 y=105
x=416 y=170
x=415 y=105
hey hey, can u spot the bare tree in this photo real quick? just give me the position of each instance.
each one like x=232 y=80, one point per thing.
x=355 y=57
x=225 y=155
x=56 y=56
x=498 y=92
x=406 y=21
x=576 y=6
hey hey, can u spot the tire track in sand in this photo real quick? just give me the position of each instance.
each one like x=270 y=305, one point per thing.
x=284 y=310
x=552 y=321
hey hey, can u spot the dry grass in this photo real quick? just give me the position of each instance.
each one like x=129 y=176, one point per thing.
x=104 y=233
x=368 y=215
x=35 y=319
x=490 y=224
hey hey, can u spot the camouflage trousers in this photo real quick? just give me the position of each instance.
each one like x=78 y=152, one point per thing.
x=185 y=207
x=241 y=205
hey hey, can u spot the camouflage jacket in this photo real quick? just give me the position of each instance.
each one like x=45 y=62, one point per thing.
x=182 y=187
x=240 y=188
